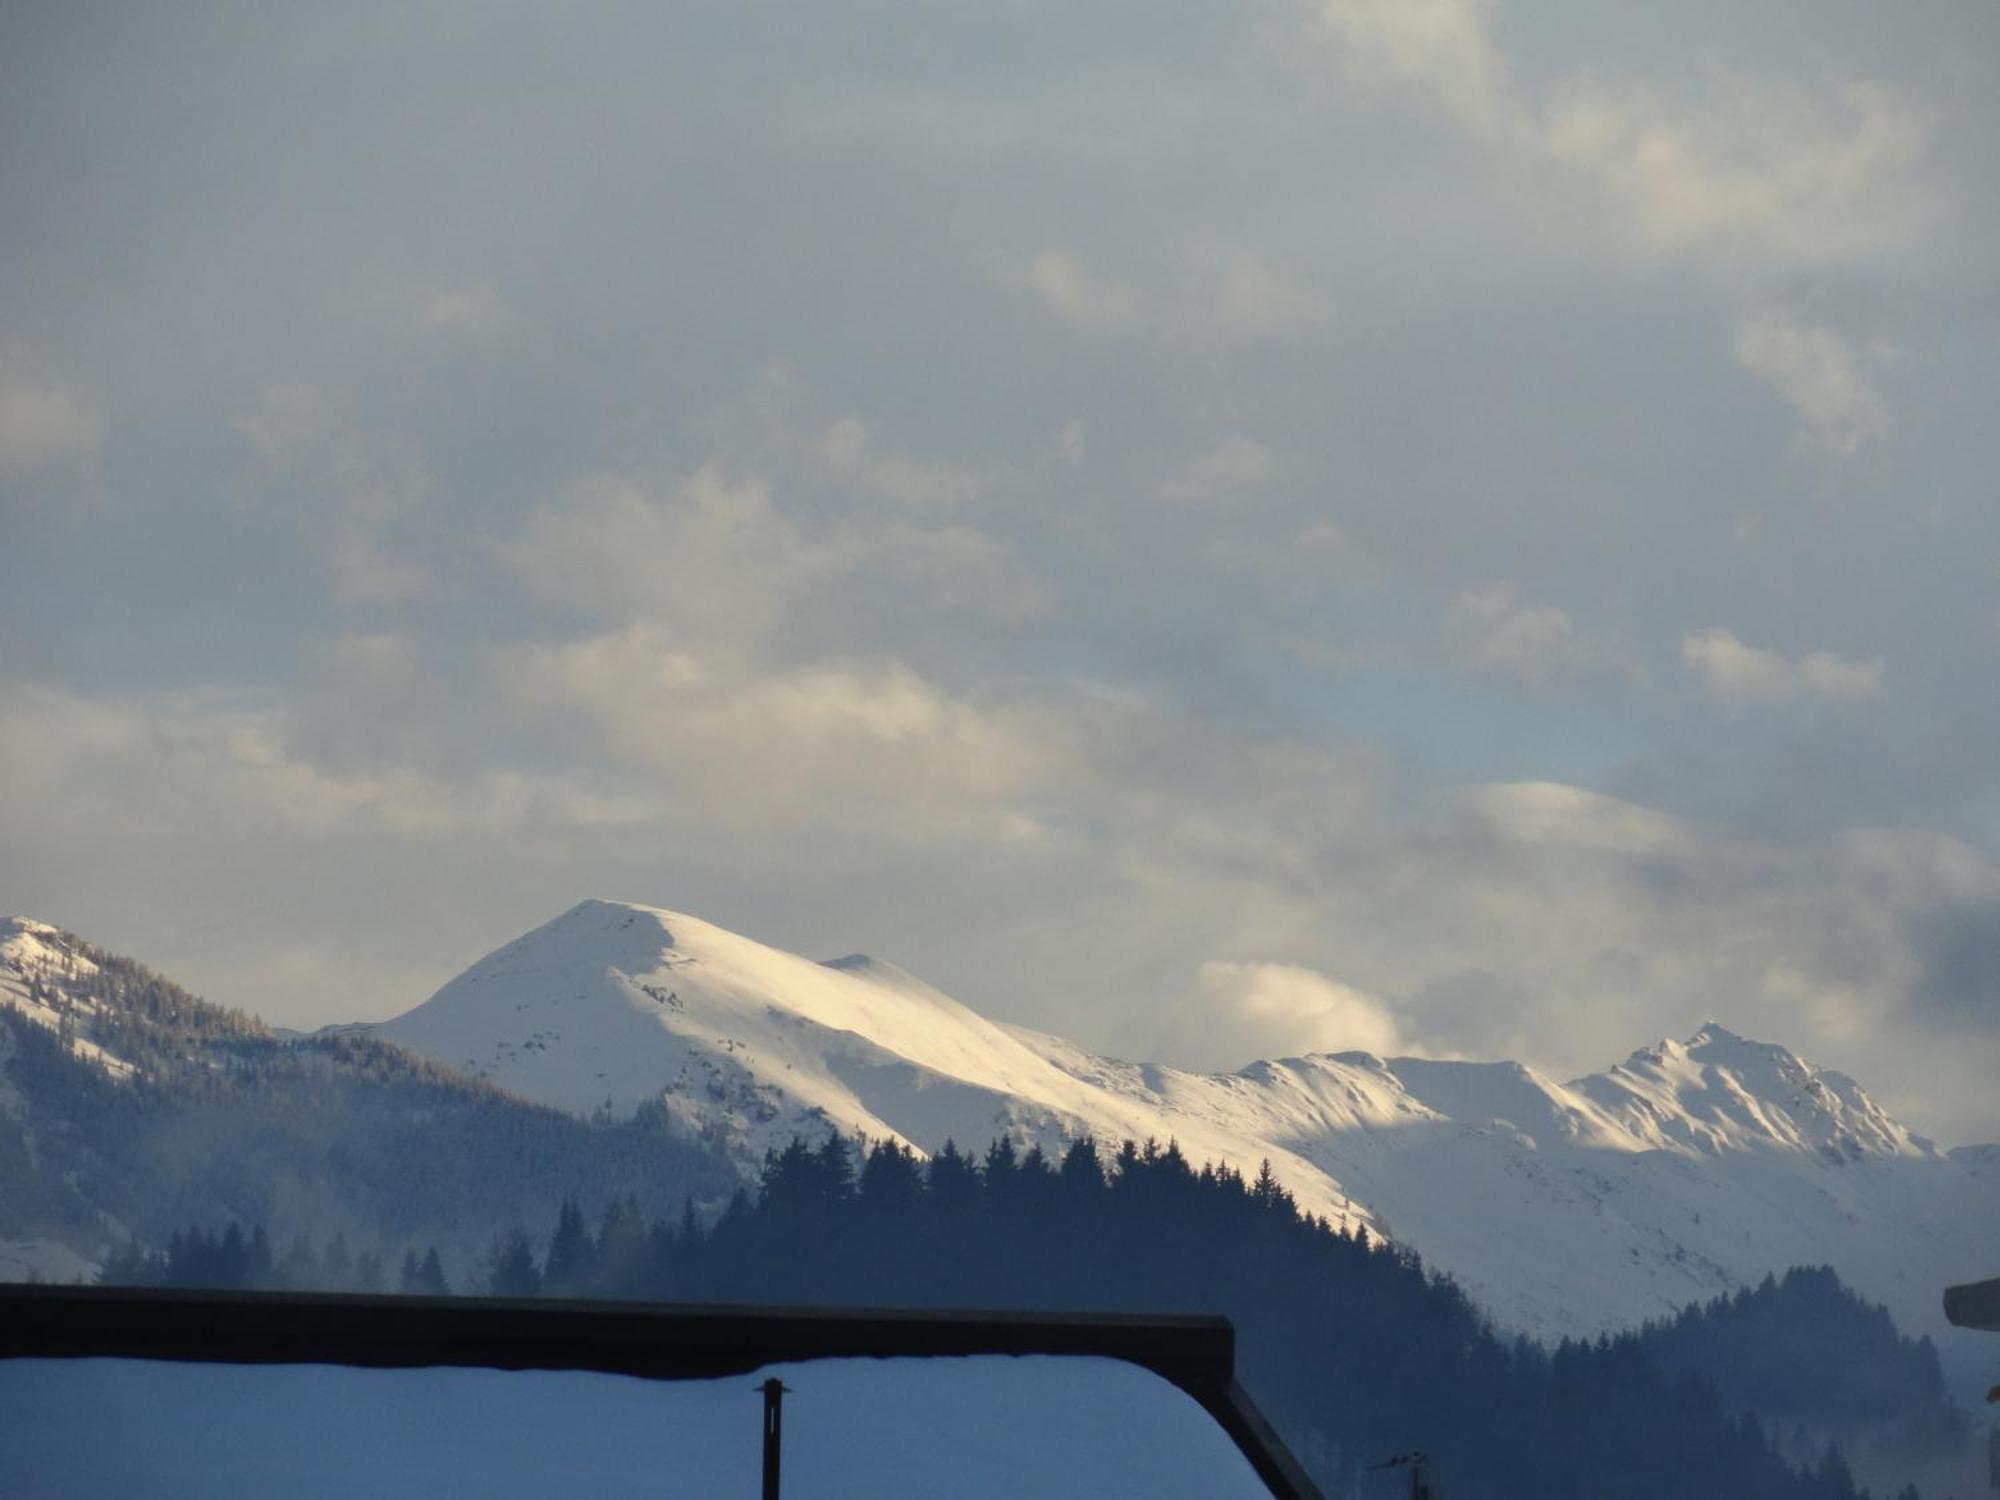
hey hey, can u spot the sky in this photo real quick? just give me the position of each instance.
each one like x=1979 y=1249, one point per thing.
x=1215 y=530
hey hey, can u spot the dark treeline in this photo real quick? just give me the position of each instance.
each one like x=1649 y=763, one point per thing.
x=1816 y=1362
x=1804 y=1349
x=1353 y=1348
x=235 y=1260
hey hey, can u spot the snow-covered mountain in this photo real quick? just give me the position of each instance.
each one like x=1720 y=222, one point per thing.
x=39 y=970
x=130 y=1109
x=1564 y=1208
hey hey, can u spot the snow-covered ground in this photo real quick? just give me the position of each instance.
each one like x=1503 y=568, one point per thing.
x=972 y=1428
x=1689 y=1169
x=35 y=961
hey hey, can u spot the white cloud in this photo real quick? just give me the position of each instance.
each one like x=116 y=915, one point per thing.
x=713 y=556
x=828 y=743
x=1079 y=296
x=1735 y=672
x=1538 y=645
x=43 y=426
x=719 y=558
x=1051 y=854
x=1744 y=168
x=1551 y=815
x=473 y=310
x=1439 y=51
x=1240 y=1012
x=203 y=770
x=1733 y=166
x=854 y=455
x=1831 y=387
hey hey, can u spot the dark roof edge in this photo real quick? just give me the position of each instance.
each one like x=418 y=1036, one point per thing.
x=655 y=1341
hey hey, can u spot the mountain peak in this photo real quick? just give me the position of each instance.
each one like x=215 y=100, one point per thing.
x=1720 y=1092
x=1716 y=1042
x=29 y=944
x=1713 y=1033
x=596 y=911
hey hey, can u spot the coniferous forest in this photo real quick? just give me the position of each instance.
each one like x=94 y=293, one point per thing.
x=1352 y=1347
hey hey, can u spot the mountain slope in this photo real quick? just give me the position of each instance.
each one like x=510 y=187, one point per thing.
x=617 y=1005
x=1688 y=1170
x=130 y=1109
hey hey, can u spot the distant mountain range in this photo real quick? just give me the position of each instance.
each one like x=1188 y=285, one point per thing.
x=1690 y=1169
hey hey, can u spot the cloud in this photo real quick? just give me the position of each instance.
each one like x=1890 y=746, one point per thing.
x=1441 y=52
x=1212 y=301
x=1030 y=729
x=1832 y=388
x=1744 y=168
x=1490 y=630
x=473 y=310
x=825 y=743
x=209 y=768
x=1730 y=166
x=1240 y=1012
x=1958 y=953
x=719 y=558
x=794 y=538
x=1563 y=927
x=712 y=556
x=1078 y=296
x=856 y=457
x=1734 y=672
x=269 y=875
x=1039 y=856
x=43 y=426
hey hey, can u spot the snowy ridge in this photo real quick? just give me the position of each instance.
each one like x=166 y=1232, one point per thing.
x=1718 y=1092
x=1564 y=1208
x=37 y=965
x=616 y=1005
x=1689 y=1169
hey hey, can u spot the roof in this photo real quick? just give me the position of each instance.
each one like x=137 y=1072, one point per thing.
x=649 y=1340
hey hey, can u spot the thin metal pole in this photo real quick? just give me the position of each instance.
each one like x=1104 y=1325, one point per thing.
x=774 y=1424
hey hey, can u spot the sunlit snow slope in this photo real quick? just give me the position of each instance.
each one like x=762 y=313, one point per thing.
x=614 y=1005
x=1688 y=1169
x=37 y=963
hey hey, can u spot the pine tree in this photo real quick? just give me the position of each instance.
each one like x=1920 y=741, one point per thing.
x=569 y=1253
x=1081 y=1173
x=430 y=1275
x=511 y=1270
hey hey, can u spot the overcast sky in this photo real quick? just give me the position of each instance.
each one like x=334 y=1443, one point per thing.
x=1214 y=530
